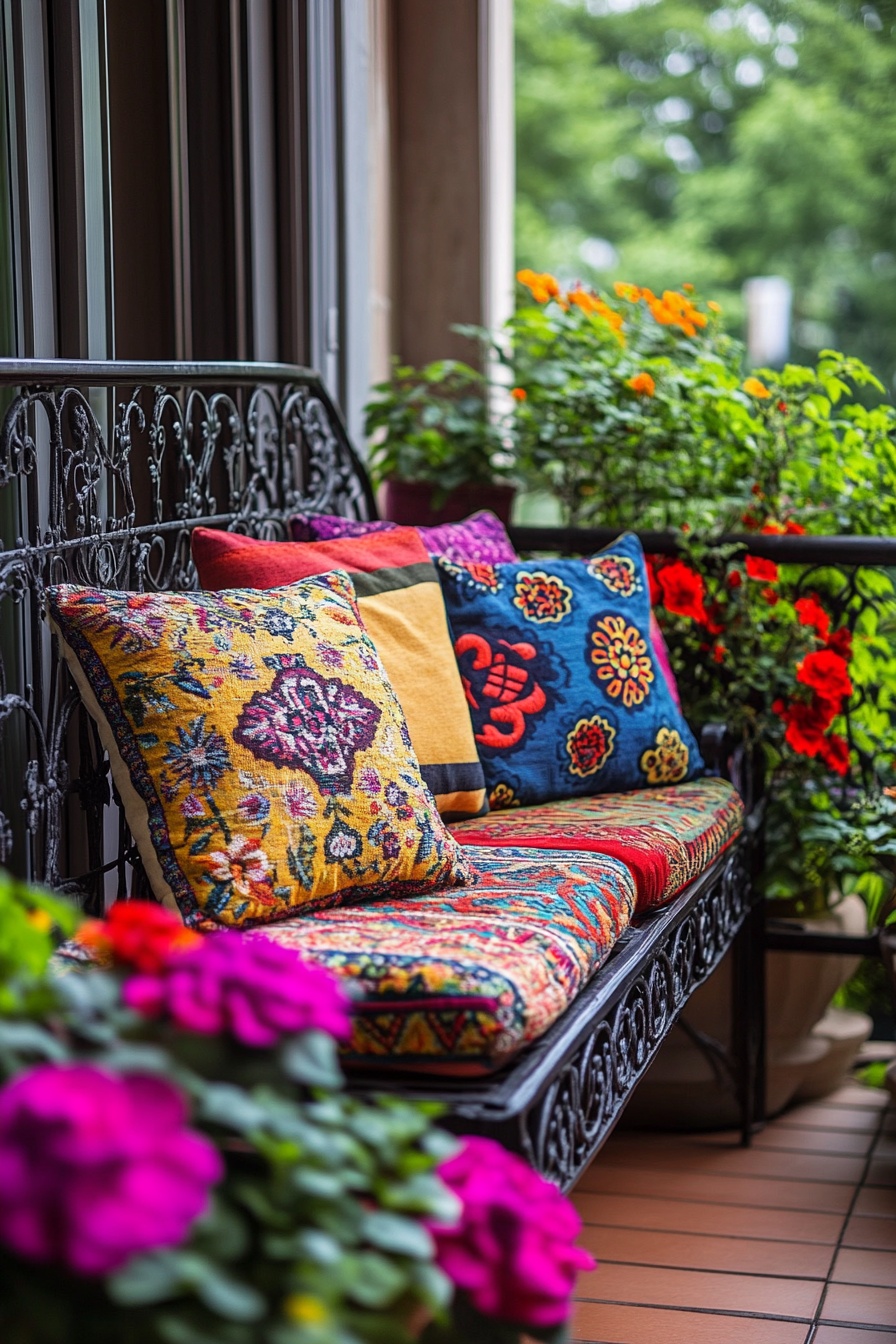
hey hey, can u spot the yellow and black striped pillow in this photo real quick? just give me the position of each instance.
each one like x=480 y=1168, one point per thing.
x=401 y=604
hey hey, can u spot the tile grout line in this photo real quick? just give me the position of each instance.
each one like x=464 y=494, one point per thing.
x=701 y=1269
x=819 y=1314
x=715 y=1236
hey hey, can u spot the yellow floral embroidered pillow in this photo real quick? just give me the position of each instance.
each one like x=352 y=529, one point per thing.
x=261 y=755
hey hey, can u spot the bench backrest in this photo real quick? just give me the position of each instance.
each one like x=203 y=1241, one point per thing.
x=105 y=469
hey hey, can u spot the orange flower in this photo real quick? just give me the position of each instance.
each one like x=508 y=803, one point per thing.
x=518 y=393
x=631 y=293
x=688 y=288
x=643 y=384
x=755 y=388
x=713 y=306
x=541 y=285
x=582 y=299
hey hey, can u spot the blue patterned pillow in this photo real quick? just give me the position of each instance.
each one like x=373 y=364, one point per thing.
x=561 y=678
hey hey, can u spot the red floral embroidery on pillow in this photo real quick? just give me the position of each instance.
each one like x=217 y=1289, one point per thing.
x=500 y=687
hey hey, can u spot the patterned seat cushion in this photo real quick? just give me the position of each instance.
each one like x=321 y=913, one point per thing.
x=459 y=982
x=666 y=837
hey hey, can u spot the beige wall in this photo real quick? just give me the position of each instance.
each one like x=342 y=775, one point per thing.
x=441 y=140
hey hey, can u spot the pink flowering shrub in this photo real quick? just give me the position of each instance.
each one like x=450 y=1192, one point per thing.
x=245 y=987
x=513 y=1251
x=97 y=1167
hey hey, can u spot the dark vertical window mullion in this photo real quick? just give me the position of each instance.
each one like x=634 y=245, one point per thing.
x=290 y=28
x=323 y=193
x=180 y=192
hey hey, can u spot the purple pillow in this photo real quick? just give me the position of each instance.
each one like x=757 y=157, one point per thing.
x=479 y=539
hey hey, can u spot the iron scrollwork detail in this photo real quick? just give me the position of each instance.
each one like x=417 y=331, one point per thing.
x=106 y=493
x=565 y=1127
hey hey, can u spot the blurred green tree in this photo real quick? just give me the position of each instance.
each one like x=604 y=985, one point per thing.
x=664 y=141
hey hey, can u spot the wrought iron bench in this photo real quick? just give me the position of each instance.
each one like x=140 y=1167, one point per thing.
x=105 y=470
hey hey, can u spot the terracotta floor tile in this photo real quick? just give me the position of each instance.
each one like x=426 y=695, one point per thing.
x=879 y=1201
x=741 y=1293
x=736 y=1255
x=854 y=1094
x=818 y=1115
x=599 y=1324
x=842 y=1143
x=595 y=1323
x=844 y=1334
x=859 y=1305
x=881 y=1171
x=820 y=1197
x=877 y=1268
x=708 y=1158
x=878 y=1234
x=714 y=1220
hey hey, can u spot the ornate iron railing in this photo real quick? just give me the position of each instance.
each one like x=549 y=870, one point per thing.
x=105 y=469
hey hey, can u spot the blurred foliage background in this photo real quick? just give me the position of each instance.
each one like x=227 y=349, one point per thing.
x=670 y=141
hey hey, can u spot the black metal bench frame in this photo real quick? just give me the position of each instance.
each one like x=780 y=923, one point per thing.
x=105 y=469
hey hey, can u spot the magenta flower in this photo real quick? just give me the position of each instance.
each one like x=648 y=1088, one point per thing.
x=98 y=1167
x=513 y=1251
x=248 y=987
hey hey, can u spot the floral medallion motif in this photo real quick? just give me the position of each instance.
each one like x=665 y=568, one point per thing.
x=242 y=868
x=502 y=796
x=309 y=722
x=196 y=757
x=619 y=573
x=542 y=597
x=590 y=745
x=477 y=575
x=620 y=660
x=666 y=762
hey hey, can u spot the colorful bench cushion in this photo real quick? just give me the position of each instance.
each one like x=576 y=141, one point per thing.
x=561 y=677
x=666 y=837
x=459 y=982
x=401 y=605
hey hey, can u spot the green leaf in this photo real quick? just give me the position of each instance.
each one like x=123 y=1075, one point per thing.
x=401 y=1236
x=147 y=1279
x=228 y=1297
x=375 y=1281
x=311 y=1058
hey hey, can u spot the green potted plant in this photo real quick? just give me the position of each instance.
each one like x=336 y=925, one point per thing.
x=180 y=1162
x=438 y=452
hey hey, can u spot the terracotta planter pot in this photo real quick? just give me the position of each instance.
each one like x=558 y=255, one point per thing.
x=410 y=503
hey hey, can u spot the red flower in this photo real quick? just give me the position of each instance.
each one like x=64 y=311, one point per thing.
x=841 y=642
x=770 y=596
x=773 y=529
x=782 y=407
x=835 y=753
x=652 y=570
x=795 y=529
x=806 y=723
x=812 y=613
x=756 y=489
x=734 y=579
x=139 y=934
x=750 y=521
x=764 y=570
x=683 y=590
x=827 y=673
x=713 y=625
x=719 y=652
